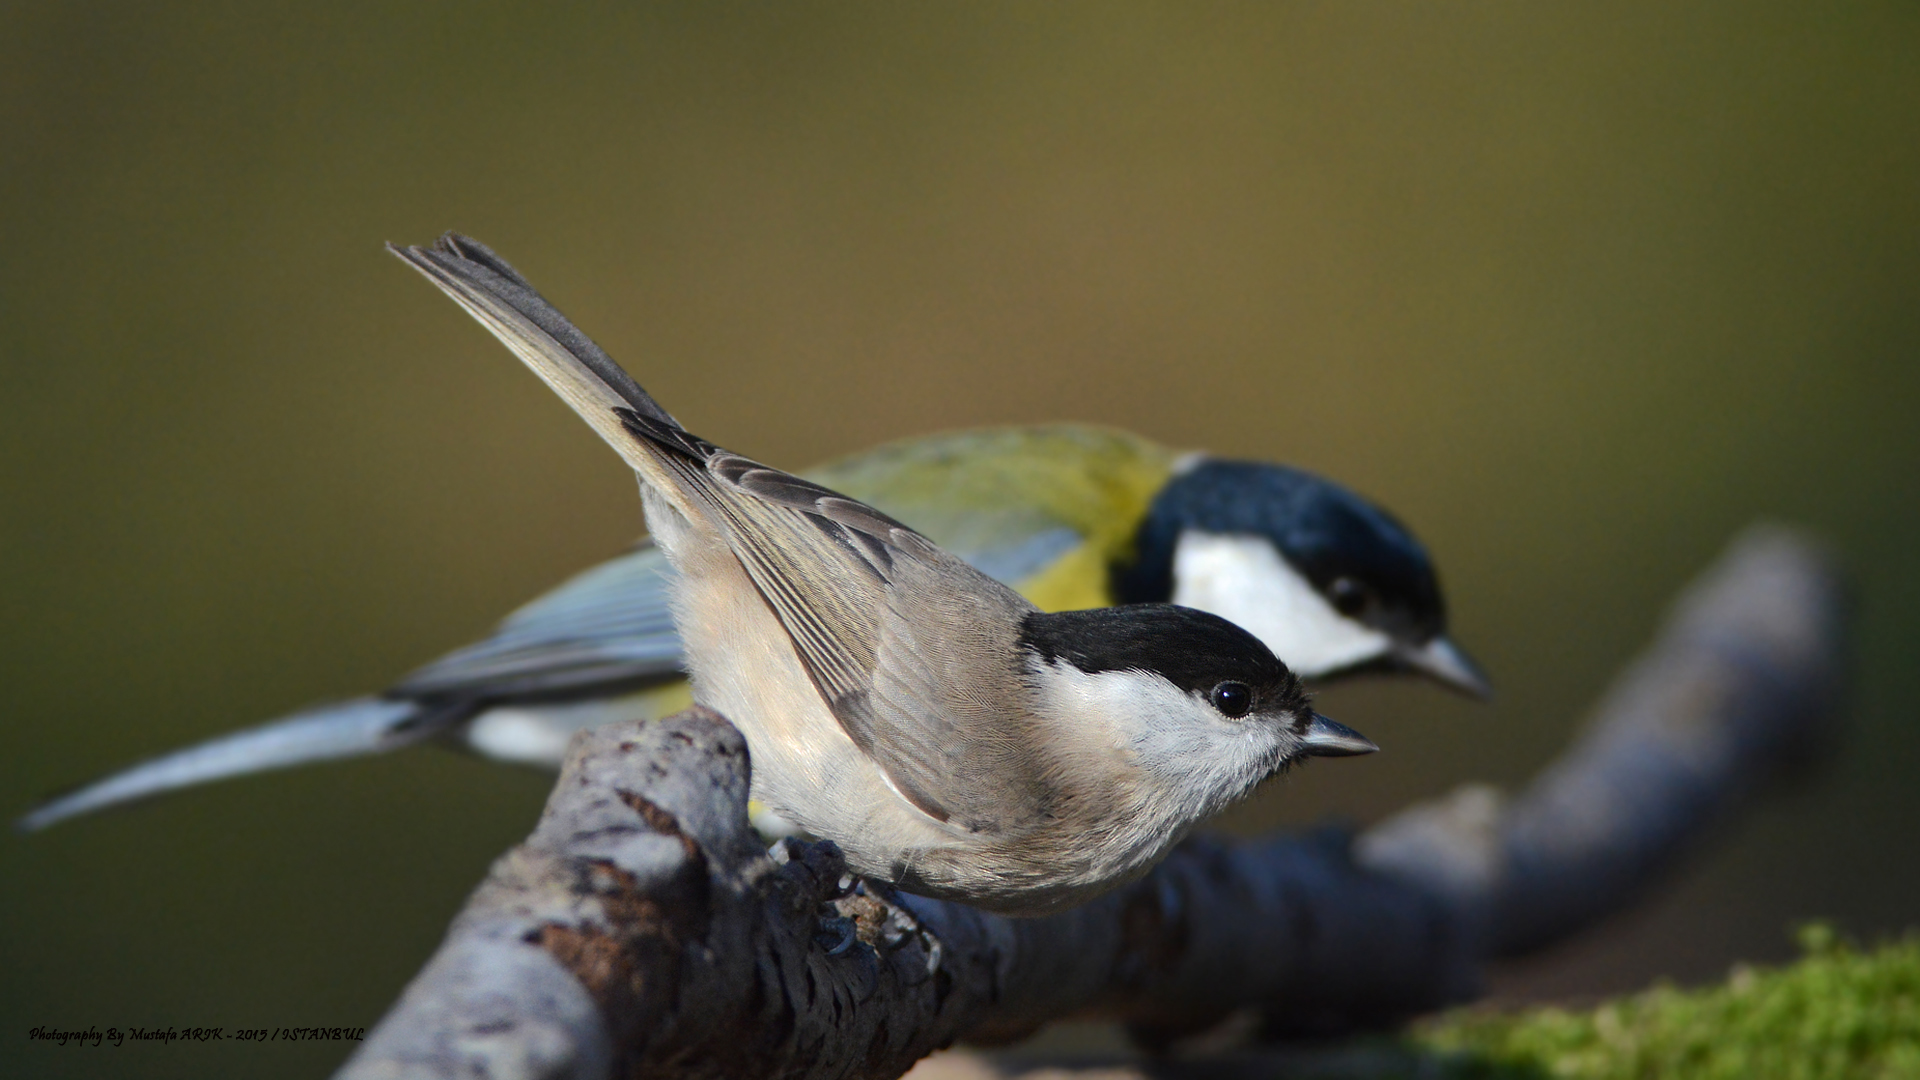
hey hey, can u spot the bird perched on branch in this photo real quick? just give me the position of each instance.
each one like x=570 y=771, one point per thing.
x=947 y=734
x=1070 y=515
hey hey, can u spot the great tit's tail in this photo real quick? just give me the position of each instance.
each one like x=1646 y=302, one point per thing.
x=604 y=395
x=348 y=729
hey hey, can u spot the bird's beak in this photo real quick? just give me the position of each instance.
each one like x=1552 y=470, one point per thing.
x=1442 y=661
x=1326 y=738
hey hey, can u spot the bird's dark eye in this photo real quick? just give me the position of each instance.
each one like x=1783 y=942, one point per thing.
x=1233 y=699
x=1349 y=597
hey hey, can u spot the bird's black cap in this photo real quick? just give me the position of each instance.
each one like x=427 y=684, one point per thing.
x=1193 y=650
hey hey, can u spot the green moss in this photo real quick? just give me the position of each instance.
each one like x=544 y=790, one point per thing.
x=1839 y=1012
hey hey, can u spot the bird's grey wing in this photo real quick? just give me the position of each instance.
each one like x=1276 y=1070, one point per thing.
x=945 y=703
x=349 y=729
x=608 y=626
x=912 y=649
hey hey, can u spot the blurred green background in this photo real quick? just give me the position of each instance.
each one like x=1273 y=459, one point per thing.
x=1578 y=293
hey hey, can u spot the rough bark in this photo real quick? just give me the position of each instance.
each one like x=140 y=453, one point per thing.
x=642 y=930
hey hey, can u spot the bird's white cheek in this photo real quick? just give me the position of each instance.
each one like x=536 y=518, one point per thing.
x=1157 y=744
x=1099 y=717
x=1244 y=580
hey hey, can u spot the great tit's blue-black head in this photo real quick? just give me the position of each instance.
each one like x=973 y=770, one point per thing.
x=1331 y=583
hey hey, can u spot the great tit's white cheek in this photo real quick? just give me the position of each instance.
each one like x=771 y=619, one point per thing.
x=1244 y=580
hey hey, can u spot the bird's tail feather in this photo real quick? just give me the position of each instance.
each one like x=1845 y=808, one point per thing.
x=604 y=395
x=348 y=729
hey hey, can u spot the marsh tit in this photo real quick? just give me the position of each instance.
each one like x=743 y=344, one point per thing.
x=1069 y=515
x=950 y=736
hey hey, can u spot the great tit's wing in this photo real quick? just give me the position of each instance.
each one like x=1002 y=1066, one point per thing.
x=1012 y=564
x=349 y=729
x=823 y=563
x=1060 y=500
x=607 y=626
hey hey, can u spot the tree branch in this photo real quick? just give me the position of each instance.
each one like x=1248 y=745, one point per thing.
x=641 y=928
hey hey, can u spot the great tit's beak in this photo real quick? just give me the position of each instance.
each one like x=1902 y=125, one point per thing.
x=1440 y=659
x=1326 y=738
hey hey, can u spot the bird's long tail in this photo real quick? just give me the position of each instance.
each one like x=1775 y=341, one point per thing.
x=348 y=729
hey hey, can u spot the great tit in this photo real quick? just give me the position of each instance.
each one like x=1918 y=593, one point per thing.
x=1072 y=516
x=948 y=735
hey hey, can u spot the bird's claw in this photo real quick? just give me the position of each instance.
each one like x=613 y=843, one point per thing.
x=836 y=933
